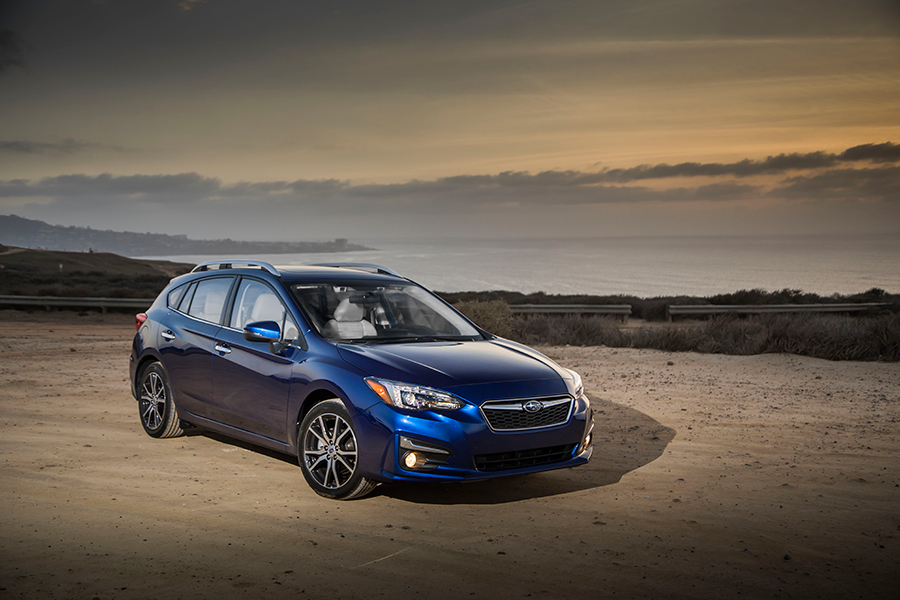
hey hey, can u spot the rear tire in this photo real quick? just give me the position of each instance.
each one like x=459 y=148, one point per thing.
x=156 y=407
x=328 y=453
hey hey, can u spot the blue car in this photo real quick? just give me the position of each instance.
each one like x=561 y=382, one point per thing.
x=364 y=375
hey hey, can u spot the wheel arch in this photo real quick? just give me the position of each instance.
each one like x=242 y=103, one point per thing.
x=139 y=370
x=315 y=397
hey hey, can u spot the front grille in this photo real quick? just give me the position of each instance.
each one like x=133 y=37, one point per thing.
x=523 y=458
x=510 y=415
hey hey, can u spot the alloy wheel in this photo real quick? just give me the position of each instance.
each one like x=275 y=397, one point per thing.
x=153 y=400
x=329 y=450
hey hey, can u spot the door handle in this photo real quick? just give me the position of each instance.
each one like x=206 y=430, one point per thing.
x=223 y=349
x=168 y=335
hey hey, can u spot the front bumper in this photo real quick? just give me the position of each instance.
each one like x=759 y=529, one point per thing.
x=466 y=448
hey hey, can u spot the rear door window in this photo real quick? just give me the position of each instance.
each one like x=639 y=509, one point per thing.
x=209 y=299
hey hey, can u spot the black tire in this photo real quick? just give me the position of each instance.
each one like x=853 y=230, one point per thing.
x=328 y=453
x=156 y=408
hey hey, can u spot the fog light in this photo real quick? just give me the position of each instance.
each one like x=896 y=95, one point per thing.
x=587 y=440
x=410 y=460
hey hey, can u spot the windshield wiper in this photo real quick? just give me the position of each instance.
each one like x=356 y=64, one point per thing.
x=407 y=339
x=425 y=338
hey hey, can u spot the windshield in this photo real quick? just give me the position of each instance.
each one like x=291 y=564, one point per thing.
x=366 y=312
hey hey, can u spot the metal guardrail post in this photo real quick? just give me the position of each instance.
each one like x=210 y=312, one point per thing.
x=756 y=309
x=619 y=310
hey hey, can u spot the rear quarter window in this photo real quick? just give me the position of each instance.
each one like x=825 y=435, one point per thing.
x=185 y=302
x=175 y=296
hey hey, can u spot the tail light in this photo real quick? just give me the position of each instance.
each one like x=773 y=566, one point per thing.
x=139 y=320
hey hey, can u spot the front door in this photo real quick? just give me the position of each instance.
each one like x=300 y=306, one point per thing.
x=251 y=384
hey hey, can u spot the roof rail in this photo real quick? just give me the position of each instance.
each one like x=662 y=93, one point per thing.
x=235 y=263
x=369 y=267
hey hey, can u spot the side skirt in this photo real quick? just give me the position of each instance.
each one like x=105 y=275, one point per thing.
x=238 y=434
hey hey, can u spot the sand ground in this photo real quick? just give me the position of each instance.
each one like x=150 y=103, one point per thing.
x=770 y=476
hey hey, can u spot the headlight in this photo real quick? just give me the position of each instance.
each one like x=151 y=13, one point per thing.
x=412 y=397
x=579 y=386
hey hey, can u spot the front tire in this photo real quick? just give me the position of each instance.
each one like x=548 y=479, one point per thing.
x=156 y=407
x=328 y=453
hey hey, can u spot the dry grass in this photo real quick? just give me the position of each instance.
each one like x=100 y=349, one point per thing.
x=654 y=309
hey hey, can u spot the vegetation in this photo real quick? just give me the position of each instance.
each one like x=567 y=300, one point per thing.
x=654 y=309
x=832 y=337
x=80 y=274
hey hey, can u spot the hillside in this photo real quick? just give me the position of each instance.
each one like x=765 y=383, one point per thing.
x=30 y=233
x=26 y=272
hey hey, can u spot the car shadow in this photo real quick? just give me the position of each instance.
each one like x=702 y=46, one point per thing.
x=230 y=441
x=624 y=440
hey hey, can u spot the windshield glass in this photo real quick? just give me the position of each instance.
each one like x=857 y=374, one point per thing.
x=366 y=312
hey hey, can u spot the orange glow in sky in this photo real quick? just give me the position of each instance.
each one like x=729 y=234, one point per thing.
x=331 y=119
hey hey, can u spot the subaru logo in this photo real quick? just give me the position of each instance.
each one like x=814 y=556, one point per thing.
x=532 y=406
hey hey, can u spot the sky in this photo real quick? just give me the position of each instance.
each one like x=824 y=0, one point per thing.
x=297 y=120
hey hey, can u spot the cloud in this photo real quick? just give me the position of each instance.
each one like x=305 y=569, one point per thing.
x=19 y=188
x=182 y=187
x=744 y=168
x=886 y=152
x=859 y=186
x=827 y=177
x=556 y=179
x=772 y=165
x=879 y=184
x=67 y=146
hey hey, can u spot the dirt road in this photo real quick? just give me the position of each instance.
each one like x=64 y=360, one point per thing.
x=713 y=477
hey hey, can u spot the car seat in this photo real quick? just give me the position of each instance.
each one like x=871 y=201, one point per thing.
x=348 y=322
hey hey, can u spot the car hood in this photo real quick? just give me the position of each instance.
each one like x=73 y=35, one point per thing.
x=452 y=365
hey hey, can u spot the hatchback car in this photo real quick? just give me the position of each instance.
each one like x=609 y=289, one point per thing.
x=364 y=375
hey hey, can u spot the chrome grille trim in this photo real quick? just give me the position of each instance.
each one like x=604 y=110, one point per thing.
x=510 y=415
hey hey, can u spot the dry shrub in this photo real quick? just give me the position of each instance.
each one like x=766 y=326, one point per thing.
x=729 y=335
x=493 y=316
x=670 y=339
x=835 y=337
x=568 y=329
x=832 y=337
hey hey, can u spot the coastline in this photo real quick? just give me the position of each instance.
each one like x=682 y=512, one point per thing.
x=636 y=266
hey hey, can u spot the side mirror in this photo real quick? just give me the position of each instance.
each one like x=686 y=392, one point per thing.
x=265 y=331
x=262 y=331
x=270 y=332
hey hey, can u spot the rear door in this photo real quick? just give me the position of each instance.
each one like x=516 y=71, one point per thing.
x=188 y=340
x=251 y=384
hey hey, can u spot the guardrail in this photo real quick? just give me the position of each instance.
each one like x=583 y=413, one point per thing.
x=48 y=302
x=619 y=310
x=757 y=309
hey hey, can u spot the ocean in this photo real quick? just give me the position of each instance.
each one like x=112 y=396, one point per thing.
x=639 y=266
